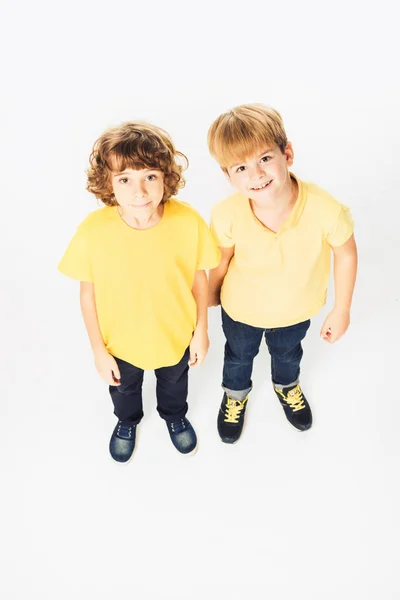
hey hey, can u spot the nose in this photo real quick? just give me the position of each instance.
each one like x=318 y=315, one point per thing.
x=256 y=172
x=138 y=190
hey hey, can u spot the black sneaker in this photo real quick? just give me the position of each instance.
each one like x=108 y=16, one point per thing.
x=182 y=435
x=296 y=407
x=231 y=419
x=122 y=443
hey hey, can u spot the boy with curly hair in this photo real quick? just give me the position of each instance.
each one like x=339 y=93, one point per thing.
x=141 y=262
x=276 y=236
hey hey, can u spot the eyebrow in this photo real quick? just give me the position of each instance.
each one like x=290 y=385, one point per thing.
x=260 y=155
x=126 y=172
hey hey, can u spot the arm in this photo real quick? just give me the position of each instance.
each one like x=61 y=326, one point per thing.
x=200 y=343
x=217 y=276
x=345 y=270
x=105 y=363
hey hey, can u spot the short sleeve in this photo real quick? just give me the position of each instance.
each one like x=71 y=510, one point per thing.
x=221 y=227
x=208 y=254
x=342 y=228
x=76 y=262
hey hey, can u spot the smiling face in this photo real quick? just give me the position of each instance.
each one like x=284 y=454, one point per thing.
x=263 y=177
x=138 y=191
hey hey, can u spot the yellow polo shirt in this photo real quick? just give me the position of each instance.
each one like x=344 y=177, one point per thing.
x=143 y=280
x=279 y=279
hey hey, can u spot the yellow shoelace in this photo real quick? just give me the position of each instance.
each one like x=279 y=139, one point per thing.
x=294 y=398
x=233 y=408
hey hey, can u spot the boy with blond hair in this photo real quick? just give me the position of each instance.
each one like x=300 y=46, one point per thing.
x=141 y=261
x=276 y=235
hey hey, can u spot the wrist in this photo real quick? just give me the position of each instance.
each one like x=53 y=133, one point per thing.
x=214 y=288
x=99 y=349
x=341 y=309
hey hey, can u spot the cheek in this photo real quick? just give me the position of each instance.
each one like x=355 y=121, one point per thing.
x=116 y=188
x=120 y=191
x=236 y=179
x=159 y=189
x=240 y=181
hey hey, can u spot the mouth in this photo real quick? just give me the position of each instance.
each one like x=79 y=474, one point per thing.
x=261 y=187
x=140 y=205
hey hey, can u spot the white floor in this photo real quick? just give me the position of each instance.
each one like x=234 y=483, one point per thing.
x=279 y=515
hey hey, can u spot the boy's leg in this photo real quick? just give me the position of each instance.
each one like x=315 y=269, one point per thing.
x=284 y=345
x=127 y=399
x=242 y=345
x=172 y=391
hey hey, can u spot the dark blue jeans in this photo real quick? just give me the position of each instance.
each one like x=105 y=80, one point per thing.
x=242 y=346
x=171 y=391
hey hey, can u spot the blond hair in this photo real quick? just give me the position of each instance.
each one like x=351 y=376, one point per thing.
x=240 y=132
x=135 y=145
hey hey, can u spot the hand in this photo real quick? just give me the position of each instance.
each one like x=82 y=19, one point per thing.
x=336 y=324
x=107 y=367
x=198 y=347
x=214 y=299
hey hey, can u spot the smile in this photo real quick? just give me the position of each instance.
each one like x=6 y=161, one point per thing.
x=261 y=187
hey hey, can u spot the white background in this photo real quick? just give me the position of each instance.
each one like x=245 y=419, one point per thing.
x=280 y=515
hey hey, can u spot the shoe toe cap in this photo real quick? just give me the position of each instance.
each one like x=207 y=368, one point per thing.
x=185 y=441
x=304 y=423
x=121 y=450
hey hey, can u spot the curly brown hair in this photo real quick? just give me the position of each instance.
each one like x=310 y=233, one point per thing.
x=135 y=145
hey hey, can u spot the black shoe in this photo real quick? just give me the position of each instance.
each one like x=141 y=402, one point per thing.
x=231 y=418
x=122 y=443
x=182 y=435
x=296 y=407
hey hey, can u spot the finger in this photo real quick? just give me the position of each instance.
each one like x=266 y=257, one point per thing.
x=115 y=372
x=325 y=332
x=112 y=379
x=334 y=337
x=193 y=360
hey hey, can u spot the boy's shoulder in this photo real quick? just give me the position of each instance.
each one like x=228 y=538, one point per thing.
x=319 y=200
x=97 y=218
x=183 y=209
x=232 y=203
x=321 y=208
x=232 y=200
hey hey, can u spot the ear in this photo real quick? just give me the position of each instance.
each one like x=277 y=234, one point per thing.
x=289 y=154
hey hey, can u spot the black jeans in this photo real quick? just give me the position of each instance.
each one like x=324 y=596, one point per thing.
x=172 y=391
x=242 y=346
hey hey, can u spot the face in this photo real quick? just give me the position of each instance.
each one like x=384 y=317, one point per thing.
x=263 y=177
x=138 y=191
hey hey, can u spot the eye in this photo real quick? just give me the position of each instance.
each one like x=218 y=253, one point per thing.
x=266 y=158
x=240 y=169
x=151 y=177
x=123 y=180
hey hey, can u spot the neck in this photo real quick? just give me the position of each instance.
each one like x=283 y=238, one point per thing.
x=145 y=222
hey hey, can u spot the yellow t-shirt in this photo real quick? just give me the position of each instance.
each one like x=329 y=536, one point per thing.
x=143 y=280
x=279 y=279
